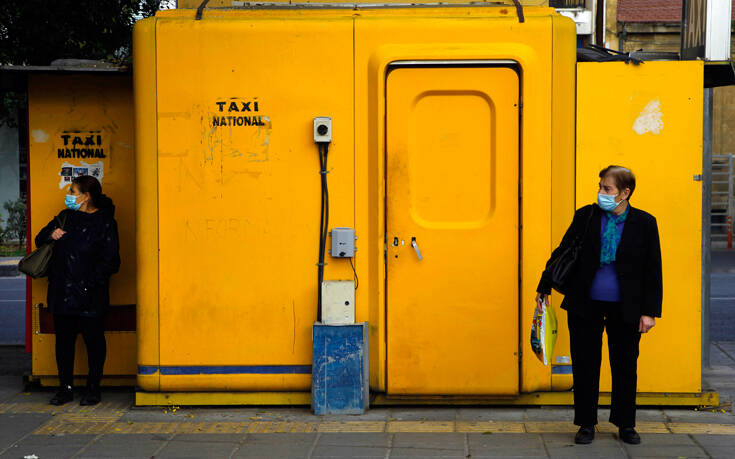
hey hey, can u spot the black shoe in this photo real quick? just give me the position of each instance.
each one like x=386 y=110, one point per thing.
x=92 y=396
x=64 y=395
x=585 y=435
x=629 y=435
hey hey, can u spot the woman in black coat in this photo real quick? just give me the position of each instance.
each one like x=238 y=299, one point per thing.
x=617 y=286
x=85 y=255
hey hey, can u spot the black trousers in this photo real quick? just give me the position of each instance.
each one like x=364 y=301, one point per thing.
x=586 y=347
x=93 y=332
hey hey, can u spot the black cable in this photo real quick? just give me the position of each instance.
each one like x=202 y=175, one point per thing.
x=357 y=280
x=323 y=224
x=200 y=10
x=320 y=263
x=519 y=10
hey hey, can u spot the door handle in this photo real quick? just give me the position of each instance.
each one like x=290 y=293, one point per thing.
x=416 y=248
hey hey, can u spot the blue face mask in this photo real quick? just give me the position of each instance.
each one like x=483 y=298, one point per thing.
x=607 y=202
x=71 y=202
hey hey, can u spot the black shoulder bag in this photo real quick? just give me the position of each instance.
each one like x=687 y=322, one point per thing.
x=36 y=263
x=562 y=268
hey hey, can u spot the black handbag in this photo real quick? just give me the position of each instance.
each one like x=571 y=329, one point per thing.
x=561 y=270
x=36 y=263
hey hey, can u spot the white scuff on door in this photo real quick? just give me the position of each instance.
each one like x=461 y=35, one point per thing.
x=650 y=119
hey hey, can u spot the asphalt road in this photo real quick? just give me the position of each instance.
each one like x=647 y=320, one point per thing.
x=12 y=310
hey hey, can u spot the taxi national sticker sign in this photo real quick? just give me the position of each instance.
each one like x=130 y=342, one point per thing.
x=238 y=132
x=237 y=112
x=81 y=145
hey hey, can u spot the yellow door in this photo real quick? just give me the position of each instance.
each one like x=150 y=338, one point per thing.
x=452 y=230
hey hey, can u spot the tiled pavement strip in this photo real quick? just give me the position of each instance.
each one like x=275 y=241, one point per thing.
x=29 y=426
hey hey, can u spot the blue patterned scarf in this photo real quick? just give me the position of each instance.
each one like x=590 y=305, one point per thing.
x=611 y=237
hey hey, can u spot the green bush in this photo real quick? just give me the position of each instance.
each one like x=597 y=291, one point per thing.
x=15 y=228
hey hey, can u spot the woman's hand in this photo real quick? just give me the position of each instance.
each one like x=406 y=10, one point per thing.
x=57 y=234
x=540 y=300
x=646 y=323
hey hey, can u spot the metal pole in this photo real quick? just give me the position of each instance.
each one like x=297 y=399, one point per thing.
x=706 y=221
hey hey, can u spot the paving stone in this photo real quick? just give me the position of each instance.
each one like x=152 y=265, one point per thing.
x=374 y=414
x=505 y=445
x=587 y=451
x=706 y=416
x=201 y=445
x=550 y=414
x=129 y=446
x=15 y=426
x=716 y=440
x=720 y=452
x=491 y=414
x=666 y=440
x=562 y=445
x=650 y=414
x=644 y=450
x=427 y=413
x=352 y=445
x=428 y=445
x=557 y=440
x=296 y=413
x=288 y=445
x=10 y=386
x=49 y=446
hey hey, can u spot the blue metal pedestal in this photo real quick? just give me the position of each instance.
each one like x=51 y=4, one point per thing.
x=339 y=379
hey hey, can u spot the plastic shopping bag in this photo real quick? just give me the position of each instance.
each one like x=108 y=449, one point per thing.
x=543 y=333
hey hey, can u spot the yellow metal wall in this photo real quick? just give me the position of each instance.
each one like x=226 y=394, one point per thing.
x=60 y=105
x=649 y=118
x=234 y=211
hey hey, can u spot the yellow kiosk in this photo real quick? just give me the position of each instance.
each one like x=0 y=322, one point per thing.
x=453 y=158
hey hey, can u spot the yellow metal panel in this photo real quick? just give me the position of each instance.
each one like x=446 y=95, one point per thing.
x=222 y=398
x=304 y=398
x=144 y=42
x=80 y=106
x=239 y=191
x=651 y=122
x=551 y=398
x=120 y=346
x=452 y=184
x=229 y=3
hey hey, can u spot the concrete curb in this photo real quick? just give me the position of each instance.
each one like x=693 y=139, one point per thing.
x=9 y=266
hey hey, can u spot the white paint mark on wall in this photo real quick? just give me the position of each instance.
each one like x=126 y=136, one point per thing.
x=650 y=119
x=69 y=171
x=39 y=136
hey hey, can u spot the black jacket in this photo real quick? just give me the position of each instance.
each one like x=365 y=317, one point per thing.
x=638 y=263
x=83 y=261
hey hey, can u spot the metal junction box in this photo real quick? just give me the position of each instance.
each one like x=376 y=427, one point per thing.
x=343 y=243
x=338 y=302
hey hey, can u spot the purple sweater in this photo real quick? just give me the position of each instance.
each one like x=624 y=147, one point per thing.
x=605 y=286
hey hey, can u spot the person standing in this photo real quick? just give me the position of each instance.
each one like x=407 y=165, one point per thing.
x=85 y=255
x=617 y=286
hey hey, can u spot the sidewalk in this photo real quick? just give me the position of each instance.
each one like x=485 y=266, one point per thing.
x=29 y=426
